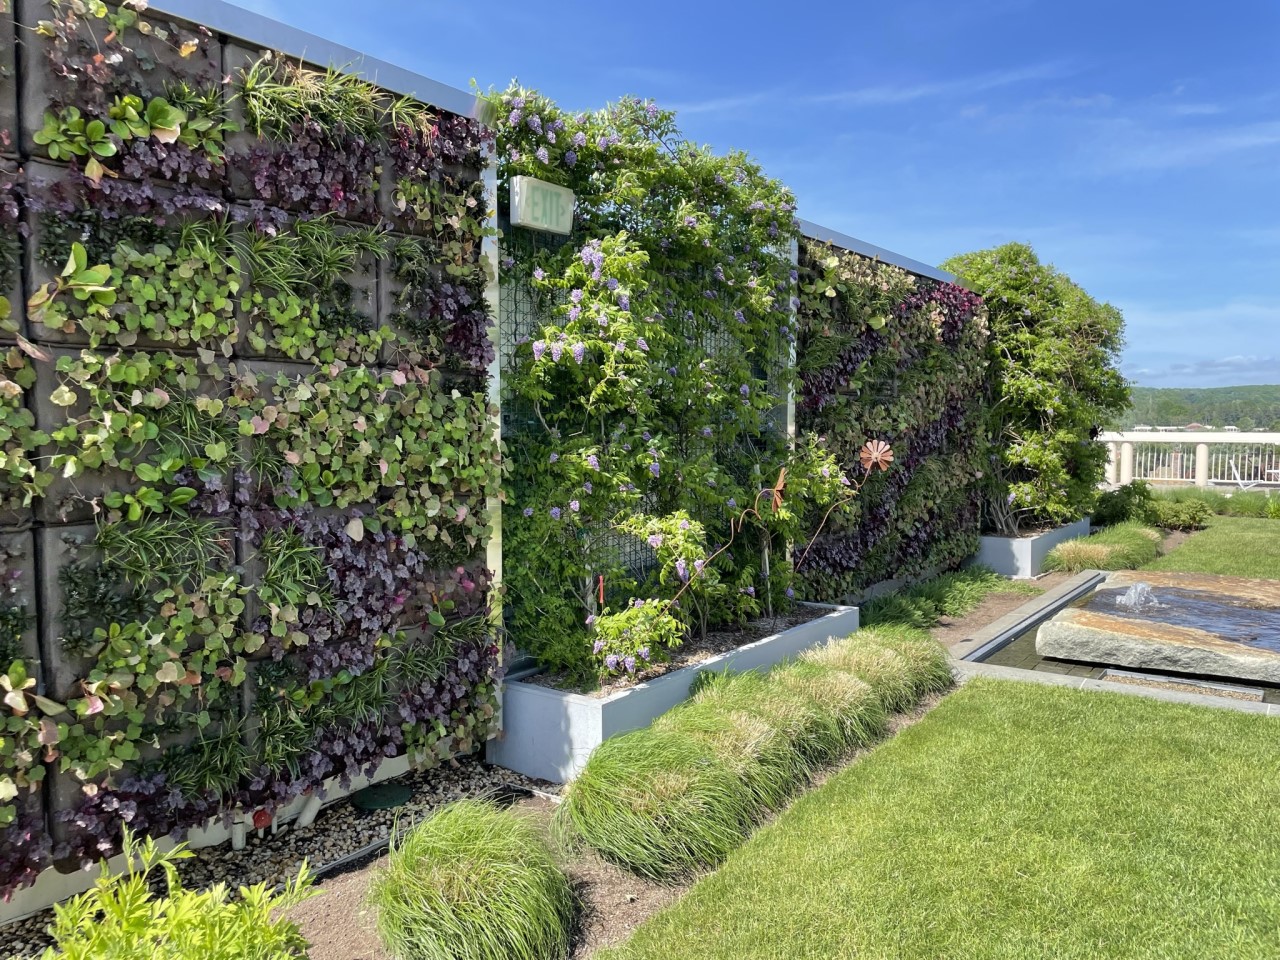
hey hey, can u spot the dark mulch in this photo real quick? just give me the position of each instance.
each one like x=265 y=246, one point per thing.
x=693 y=651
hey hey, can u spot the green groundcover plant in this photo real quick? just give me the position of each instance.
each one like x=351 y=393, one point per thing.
x=1052 y=381
x=1125 y=546
x=122 y=918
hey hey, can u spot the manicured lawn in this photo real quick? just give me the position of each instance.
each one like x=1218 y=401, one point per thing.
x=1014 y=821
x=1233 y=546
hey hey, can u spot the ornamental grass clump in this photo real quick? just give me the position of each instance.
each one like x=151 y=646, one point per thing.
x=1126 y=546
x=473 y=882
x=757 y=751
x=660 y=803
x=808 y=726
x=852 y=704
x=886 y=671
x=929 y=666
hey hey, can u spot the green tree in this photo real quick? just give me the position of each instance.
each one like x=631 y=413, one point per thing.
x=1053 y=381
x=1247 y=424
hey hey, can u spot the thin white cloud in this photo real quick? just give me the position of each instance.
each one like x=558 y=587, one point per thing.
x=888 y=94
x=1145 y=149
x=884 y=94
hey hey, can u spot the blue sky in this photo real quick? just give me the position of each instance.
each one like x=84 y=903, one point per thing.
x=1135 y=145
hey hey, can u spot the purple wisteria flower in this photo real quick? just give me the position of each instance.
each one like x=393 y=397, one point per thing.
x=644 y=347
x=539 y=348
x=573 y=505
x=624 y=302
x=542 y=155
x=706 y=431
x=528 y=511
x=630 y=664
x=739 y=316
x=587 y=487
x=612 y=283
x=555 y=513
x=571 y=157
x=684 y=524
x=574 y=313
x=597 y=647
x=751 y=591
x=791 y=594
x=538 y=273
x=579 y=139
x=611 y=661
x=575 y=295
x=699 y=564
x=682 y=570
x=690 y=221
x=602 y=144
x=535 y=123
x=553 y=458
x=646 y=436
x=644 y=654
x=579 y=351
x=655 y=469
x=655 y=540
x=744 y=390
x=557 y=350
x=733 y=504
x=593 y=461
x=591 y=619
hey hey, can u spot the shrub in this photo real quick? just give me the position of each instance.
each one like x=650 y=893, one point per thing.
x=473 y=882
x=1179 y=515
x=121 y=917
x=1130 y=502
x=1053 y=377
x=1126 y=546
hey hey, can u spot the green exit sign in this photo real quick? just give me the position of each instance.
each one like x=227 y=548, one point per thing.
x=541 y=206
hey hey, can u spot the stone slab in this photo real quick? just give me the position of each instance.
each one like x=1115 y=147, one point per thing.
x=1094 y=637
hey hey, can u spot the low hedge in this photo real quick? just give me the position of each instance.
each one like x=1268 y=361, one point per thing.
x=473 y=882
x=1125 y=546
x=680 y=795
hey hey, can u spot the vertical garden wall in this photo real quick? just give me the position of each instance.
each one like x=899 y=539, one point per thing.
x=898 y=356
x=248 y=450
x=653 y=487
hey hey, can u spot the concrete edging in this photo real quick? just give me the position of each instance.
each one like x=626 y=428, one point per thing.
x=966 y=670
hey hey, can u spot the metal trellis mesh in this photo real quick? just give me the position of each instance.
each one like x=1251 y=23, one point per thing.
x=523 y=311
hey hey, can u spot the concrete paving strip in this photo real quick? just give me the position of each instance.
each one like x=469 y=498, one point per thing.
x=966 y=670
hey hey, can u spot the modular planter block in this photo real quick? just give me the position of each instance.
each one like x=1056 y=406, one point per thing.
x=550 y=733
x=1023 y=557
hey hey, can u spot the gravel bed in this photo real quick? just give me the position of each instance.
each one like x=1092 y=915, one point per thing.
x=692 y=651
x=338 y=831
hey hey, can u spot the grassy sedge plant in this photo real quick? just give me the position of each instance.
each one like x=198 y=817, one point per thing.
x=852 y=704
x=1126 y=546
x=886 y=671
x=949 y=595
x=473 y=882
x=660 y=803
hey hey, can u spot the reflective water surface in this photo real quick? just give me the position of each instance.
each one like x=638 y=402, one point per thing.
x=1230 y=618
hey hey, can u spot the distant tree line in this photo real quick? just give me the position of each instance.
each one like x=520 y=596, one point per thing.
x=1248 y=407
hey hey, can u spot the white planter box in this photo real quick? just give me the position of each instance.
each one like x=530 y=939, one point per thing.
x=1023 y=557
x=550 y=733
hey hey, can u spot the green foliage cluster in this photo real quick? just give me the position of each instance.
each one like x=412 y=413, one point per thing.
x=1178 y=508
x=952 y=595
x=473 y=881
x=645 y=392
x=679 y=796
x=1125 y=546
x=1053 y=381
x=885 y=354
x=122 y=916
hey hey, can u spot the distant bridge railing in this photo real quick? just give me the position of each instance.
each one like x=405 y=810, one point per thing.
x=1206 y=458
